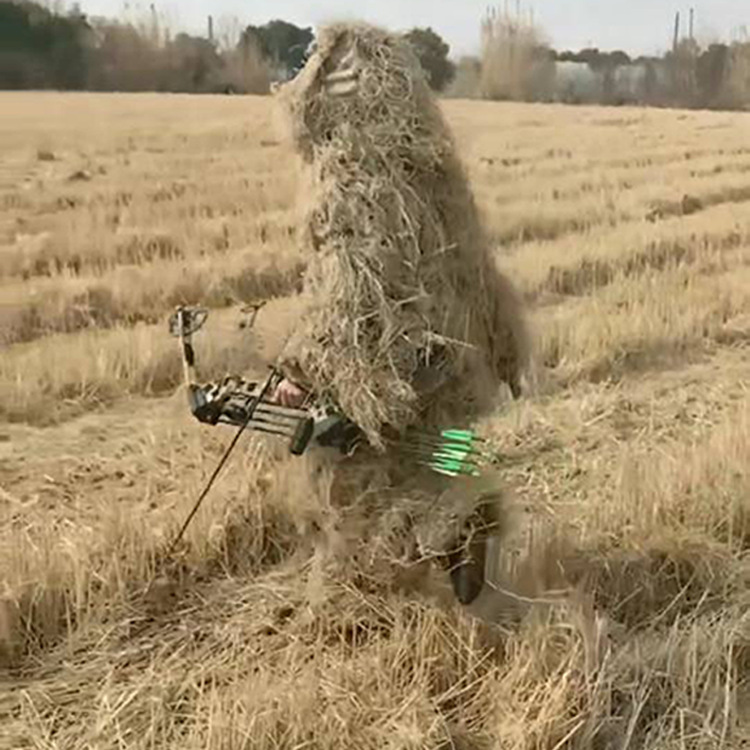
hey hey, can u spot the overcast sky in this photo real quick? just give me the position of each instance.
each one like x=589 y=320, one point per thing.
x=638 y=26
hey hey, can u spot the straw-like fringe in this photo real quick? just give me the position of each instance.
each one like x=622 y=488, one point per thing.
x=407 y=315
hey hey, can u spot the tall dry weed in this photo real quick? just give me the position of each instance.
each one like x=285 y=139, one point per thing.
x=514 y=65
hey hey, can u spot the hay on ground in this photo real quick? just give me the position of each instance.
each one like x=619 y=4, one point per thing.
x=407 y=316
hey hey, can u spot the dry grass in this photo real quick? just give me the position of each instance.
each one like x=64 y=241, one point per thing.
x=620 y=616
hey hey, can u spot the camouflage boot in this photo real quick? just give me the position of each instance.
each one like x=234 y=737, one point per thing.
x=454 y=532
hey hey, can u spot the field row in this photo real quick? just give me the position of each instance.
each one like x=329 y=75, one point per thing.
x=90 y=233
x=604 y=312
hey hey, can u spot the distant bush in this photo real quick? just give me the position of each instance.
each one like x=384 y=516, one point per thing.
x=735 y=91
x=281 y=44
x=432 y=51
x=466 y=83
x=245 y=69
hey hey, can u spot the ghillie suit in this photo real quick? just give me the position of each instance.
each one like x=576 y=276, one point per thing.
x=408 y=319
x=407 y=324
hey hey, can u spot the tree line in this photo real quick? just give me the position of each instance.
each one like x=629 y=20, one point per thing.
x=517 y=63
x=41 y=48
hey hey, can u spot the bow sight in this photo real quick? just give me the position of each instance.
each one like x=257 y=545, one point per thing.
x=235 y=401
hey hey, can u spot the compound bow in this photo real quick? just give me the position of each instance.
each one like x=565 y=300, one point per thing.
x=236 y=401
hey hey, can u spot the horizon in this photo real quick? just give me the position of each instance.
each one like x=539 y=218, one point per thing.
x=638 y=27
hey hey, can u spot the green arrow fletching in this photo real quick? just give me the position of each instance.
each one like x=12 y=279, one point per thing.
x=453 y=452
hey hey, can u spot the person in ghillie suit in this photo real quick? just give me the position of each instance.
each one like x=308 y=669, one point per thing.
x=407 y=320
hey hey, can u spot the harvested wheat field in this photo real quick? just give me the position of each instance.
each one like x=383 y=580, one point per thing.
x=618 y=612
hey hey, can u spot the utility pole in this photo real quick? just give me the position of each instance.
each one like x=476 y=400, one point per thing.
x=692 y=19
x=210 y=28
x=154 y=24
x=676 y=31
